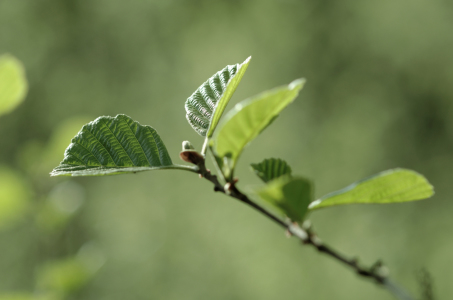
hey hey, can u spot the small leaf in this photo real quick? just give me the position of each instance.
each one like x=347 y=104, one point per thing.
x=271 y=168
x=391 y=186
x=13 y=84
x=247 y=119
x=206 y=105
x=109 y=146
x=289 y=195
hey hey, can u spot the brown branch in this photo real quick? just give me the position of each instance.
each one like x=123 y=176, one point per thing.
x=306 y=235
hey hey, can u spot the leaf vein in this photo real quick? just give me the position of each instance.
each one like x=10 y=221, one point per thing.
x=119 y=142
x=89 y=151
x=141 y=147
x=103 y=147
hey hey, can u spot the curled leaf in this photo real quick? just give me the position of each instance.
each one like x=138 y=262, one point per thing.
x=206 y=105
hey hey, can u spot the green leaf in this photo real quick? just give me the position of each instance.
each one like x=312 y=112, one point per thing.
x=289 y=195
x=271 y=168
x=13 y=84
x=206 y=105
x=109 y=146
x=247 y=119
x=391 y=186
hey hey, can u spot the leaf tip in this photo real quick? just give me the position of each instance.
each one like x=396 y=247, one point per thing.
x=422 y=181
x=55 y=173
x=314 y=204
x=297 y=84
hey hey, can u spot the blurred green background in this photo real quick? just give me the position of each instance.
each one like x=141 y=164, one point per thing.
x=379 y=95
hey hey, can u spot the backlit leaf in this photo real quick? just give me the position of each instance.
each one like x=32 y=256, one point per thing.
x=206 y=105
x=247 y=119
x=391 y=186
x=289 y=195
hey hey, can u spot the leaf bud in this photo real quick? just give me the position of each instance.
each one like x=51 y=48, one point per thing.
x=191 y=156
x=186 y=145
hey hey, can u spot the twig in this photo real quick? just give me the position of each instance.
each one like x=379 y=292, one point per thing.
x=308 y=237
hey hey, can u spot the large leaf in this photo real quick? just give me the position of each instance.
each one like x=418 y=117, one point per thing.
x=289 y=195
x=271 y=168
x=13 y=84
x=391 y=186
x=247 y=119
x=206 y=105
x=117 y=145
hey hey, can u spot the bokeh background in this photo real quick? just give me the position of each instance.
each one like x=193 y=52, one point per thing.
x=379 y=95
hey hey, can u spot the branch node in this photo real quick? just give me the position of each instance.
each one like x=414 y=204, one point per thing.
x=376 y=266
x=383 y=272
x=355 y=261
x=228 y=187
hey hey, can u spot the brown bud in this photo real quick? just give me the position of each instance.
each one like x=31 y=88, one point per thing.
x=191 y=156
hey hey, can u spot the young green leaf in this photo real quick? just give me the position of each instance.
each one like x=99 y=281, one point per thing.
x=271 y=168
x=391 y=186
x=109 y=146
x=13 y=84
x=289 y=195
x=206 y=105
x=247 y=119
